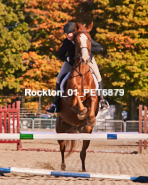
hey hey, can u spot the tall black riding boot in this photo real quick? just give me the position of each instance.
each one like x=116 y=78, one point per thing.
x=56 y=103
x=101 y=89
x=103 y=104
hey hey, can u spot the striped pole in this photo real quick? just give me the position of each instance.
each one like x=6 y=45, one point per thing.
x=94 y=137
x=71 y=174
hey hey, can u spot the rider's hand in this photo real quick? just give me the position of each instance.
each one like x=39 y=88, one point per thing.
x=68 y=59
x=71 y=60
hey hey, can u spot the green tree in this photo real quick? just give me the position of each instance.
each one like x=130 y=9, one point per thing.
x=13 y=42
x=122 y=29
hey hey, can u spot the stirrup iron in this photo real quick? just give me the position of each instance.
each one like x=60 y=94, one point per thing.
x=106 y=105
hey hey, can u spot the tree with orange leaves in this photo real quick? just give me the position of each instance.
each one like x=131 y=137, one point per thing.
x=46 y=19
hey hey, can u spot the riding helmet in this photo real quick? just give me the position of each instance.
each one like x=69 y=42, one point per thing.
x=69 y=27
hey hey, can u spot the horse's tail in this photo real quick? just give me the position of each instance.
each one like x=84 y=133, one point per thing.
x=71 y=144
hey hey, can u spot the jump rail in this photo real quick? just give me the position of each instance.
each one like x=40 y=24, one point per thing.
x=8 y=115
x=94 y=137
x=72 y=174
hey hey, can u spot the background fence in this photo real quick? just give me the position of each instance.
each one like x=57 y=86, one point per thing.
x=37 y=123
x=101 y=125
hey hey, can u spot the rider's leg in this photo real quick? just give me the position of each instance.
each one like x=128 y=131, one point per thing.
x=65 y=69
x=95 y=69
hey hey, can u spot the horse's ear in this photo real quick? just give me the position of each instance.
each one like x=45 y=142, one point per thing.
x=76 y=26
x=89 y=28
x=84 y=25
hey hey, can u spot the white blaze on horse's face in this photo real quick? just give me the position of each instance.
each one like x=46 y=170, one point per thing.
x=85 y=55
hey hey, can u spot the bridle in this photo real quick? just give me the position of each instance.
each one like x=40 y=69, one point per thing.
x=79 y=56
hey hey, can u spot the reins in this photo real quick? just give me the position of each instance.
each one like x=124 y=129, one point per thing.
x=81 y=75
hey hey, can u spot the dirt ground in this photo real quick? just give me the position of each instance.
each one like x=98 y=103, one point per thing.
x=105 y=163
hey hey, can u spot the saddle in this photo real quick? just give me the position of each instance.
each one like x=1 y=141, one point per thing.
x=65 y=77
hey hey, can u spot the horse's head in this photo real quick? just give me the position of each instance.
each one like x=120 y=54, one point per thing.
x=83 y=42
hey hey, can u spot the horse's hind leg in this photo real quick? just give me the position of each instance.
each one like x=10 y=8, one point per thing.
x=62 y=149
x=84 y=129
x=83 y=153
x=62 y=127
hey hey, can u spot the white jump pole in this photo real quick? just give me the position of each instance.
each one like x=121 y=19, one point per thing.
x=93 y=137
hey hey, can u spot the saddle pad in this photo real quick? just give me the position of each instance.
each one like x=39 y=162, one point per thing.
x=65 y=78
x=96 y=81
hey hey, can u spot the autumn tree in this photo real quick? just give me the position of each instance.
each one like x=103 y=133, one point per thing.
x=121 y=27
x=46 y=19
x=122 y=30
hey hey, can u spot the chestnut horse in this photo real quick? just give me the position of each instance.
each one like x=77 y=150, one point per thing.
x=78 y=111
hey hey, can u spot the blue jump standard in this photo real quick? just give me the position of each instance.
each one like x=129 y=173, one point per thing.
x=73 y=174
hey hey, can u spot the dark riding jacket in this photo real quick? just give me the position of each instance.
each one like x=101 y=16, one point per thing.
x=68 y=50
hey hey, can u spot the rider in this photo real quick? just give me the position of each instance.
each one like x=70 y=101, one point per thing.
x=68 y=48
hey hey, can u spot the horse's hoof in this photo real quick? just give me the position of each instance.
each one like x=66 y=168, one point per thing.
x=83 y=170
x=82 y=115
x=63 y=166
x=91 y=121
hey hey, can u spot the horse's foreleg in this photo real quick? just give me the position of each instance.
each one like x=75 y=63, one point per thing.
x=82 y=110
x=83 y=153
x=91 y=120
x=62 y=149
x=81 y=106
x=92 y=108
x=72 y=101
x=75 y=101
